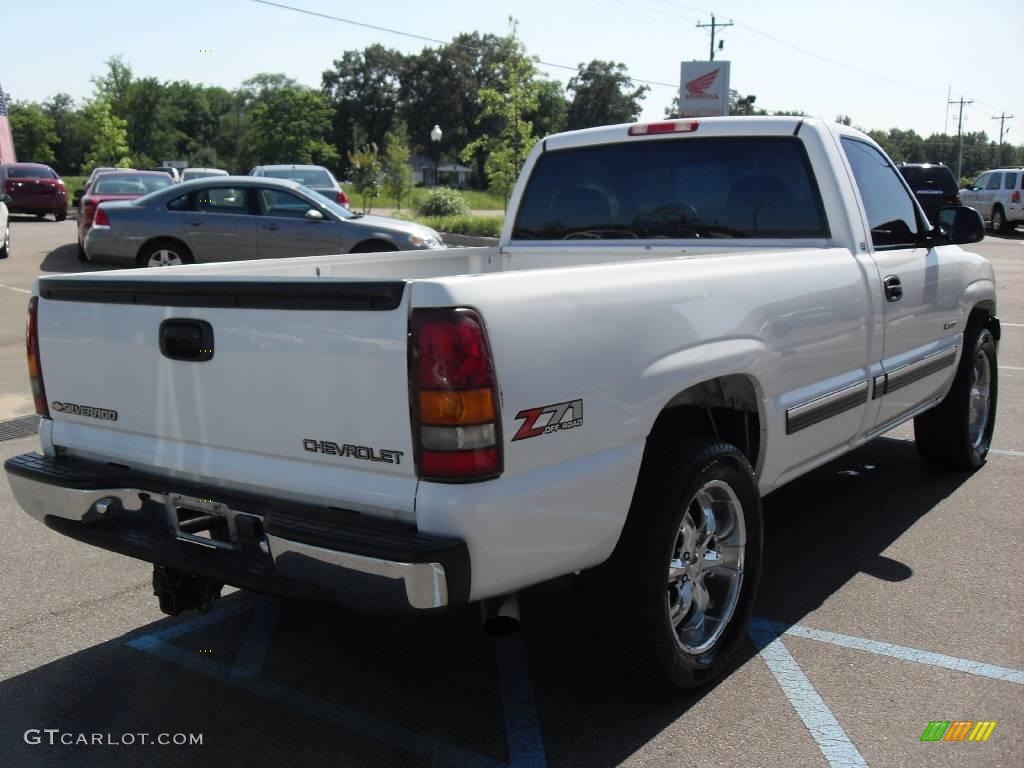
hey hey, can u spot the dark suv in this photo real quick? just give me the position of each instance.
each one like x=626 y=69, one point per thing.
x=933 y=186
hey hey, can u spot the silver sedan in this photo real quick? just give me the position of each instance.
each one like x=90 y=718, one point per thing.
x=228 y=218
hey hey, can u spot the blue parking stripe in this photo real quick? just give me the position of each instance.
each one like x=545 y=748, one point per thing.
x=830 y=737
x=253 y=651
x=522 y=725
x=356 y=722
x=893 y=651
x=214 y=616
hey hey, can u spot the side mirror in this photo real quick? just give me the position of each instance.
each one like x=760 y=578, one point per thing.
x=314 y=215
x=4 y=197
x=961 y=224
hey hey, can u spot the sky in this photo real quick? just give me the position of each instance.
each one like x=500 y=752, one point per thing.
x=884 y=63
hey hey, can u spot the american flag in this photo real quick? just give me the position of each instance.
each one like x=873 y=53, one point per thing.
x=6 y=140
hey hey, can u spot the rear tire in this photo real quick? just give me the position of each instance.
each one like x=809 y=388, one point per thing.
x=673 y=602
x=957 y=433
x=164 y=253
x=40 y=216
x=60 y=215
x=81 y=253
x=999 y=221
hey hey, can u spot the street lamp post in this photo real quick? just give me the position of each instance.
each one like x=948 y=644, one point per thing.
x=435 y=136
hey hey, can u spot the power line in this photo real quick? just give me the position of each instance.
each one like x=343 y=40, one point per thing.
x=425 y=38
x=960 y=136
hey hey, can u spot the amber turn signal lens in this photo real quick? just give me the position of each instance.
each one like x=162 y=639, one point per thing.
x=474 y=406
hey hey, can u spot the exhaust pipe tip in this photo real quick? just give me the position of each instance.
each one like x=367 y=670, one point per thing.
x=500 y=616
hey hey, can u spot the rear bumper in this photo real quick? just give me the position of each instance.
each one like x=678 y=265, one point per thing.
x=276 y=546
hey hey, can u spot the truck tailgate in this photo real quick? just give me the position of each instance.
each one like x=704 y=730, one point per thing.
x=304 y=393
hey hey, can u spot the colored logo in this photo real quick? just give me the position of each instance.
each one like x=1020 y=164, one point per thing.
x=958 y=730
x=697 y=88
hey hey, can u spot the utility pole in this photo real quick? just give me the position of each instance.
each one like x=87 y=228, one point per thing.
x=1002 y=121
x=713 y=25
x=960 y=136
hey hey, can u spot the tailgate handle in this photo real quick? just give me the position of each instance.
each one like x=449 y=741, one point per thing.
x=188 y=340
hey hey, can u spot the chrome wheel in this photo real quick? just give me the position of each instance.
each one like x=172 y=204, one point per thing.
x=164 y=258
x=980 y=402
x=705 y=572
x=997 y=221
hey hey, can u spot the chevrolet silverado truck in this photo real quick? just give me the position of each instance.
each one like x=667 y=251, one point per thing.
x=679 y=318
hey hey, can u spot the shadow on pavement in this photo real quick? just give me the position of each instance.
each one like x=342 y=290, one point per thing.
x=343 y=689
x=64 y=259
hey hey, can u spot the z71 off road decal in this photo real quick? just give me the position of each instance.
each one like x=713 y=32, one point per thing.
x=549 y=419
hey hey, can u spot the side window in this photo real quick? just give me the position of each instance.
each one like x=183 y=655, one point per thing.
x=224 y=200
x=273 y=202
x=994 y=181
x=1010 y=181
x=981 y=181
x=890 y=209
x=182 y=203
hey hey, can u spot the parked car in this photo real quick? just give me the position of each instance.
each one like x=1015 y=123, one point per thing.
x=316 y=177
x=996 y=195
x=932 y=184
x=419 y=432
x=5 y=226
x=172 y=172
x=227 y=218
x=201 y=173
x=115 y=185
x=92 y=177
x=34 y=188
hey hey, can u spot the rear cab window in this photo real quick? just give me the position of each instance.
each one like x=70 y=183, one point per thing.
x=735 y=187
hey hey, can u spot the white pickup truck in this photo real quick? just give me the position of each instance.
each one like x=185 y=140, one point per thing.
x=679 y=318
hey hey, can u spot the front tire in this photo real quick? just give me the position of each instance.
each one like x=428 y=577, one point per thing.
x=675 y=598
x=999 y=221
x=957 y=433
x=60 y=215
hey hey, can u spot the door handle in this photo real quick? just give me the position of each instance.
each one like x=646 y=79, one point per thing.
x=187 y=340
x=893 y=288
x=272 y=227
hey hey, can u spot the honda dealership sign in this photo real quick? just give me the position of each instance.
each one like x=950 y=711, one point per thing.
x=704 y=89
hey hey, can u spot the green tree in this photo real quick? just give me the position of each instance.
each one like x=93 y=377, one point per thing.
x=507 y=105
x=287 y=124
x=113 y=87
x=552 y=113
x=108 y=137
x=365 y=167
x=72 y=138
x=398 y=179
x=603 y=94
x=33 y=132
x=152 y=121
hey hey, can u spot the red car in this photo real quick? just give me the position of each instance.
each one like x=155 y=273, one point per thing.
x=115 y=185
x=34 y=188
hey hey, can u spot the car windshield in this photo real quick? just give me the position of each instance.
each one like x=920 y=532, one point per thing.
x=671 y=188
x=130 y=183
x=30 y=172
x=323 y=202
x=310 y=177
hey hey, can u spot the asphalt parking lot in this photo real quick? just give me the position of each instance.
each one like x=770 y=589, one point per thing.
x=892 y=597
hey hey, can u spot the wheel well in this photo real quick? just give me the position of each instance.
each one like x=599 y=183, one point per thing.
x=725 y=407
x=373 y=245
x=162 y=239
x=983 y=314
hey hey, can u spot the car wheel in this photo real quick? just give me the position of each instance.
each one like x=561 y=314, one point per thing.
x=374 y=246
x=674 y=600
x=40 y=216
x=60 y=215
x=5 y=244
x=164 y=253
x=957 y=433
x=81 y=252
x=999 y=221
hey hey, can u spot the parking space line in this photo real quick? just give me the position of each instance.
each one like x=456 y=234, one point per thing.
x=901 y=652
x=1011 y=368
x=215 y=616
x=832 y=740
x=1006 y=452
x=1011 y=325
x=522 y=726
x=253 y=653
x=12 y=288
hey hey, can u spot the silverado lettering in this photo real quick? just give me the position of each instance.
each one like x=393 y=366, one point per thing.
x=364 y=452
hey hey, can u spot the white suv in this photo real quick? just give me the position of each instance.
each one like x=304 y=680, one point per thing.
x=996 y=195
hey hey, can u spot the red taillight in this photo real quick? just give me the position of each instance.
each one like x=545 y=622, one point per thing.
x=101 y=219
x=672 y=126
x=342 y=198
x=1015 y=197
x=35 y=368
x=88 y=210
x=456 y=425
